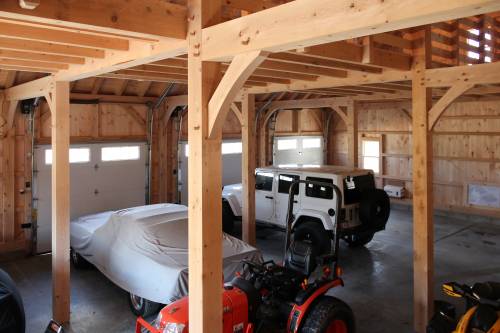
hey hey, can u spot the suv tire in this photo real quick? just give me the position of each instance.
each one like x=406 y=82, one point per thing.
x=313 y=232
x=374 y=209
x=227 y=218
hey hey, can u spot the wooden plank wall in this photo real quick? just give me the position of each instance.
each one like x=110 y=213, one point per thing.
x=466 y=149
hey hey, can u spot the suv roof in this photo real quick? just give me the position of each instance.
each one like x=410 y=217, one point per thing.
x=329 y=169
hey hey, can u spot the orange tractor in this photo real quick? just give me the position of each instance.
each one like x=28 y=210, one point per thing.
x=291 y=296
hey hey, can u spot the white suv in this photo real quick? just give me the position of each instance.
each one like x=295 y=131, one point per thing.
x=364 y=210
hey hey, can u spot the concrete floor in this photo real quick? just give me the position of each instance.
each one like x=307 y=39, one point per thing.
x=378 y=278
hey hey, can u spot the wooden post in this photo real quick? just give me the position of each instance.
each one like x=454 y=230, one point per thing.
x=352 y=134
x=8 y=174
x=423 y=232
x=58 y=100
x=248 y=168
x=205 y=179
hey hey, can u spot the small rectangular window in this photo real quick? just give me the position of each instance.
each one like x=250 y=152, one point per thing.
x=264 y=181
x=484 y=195
x=311 y=143
x=76 y=155
x=287 y=144
x=371 y=155
x=285 y=181
x=120 y=153
x=186 y=150
x=318 y=191
x=231 y=148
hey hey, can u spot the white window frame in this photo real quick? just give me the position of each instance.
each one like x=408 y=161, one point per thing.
x=364 y=155
x=48 y=156
x=120 y=159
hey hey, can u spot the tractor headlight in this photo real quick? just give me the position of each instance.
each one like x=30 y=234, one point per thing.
x=174 y=328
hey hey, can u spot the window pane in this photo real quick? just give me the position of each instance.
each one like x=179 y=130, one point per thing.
x=285 y=181
x=371 y=163
x=76 y=155
x=287 y=144
x=317 y=191
x=231 y=148
x=371 y=148
x=311 y=143
x=186 y=150
x=122 y=153
x=264 y=181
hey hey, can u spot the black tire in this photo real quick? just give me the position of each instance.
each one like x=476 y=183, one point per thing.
x=141 y=306
x=359 y=239
x=328 y=311
x=227 y=218
x=78 y=261
x=313 y=232
x=374 y=209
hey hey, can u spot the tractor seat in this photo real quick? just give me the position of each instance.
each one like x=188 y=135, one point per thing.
x=300 y=258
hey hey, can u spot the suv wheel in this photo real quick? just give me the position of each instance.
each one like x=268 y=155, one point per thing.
x=314 y=233
x=227 y=218
x=374 y=209
x=359 y=239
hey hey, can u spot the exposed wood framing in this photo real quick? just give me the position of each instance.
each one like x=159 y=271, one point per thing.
x=58 y=100
x=248 y=169
x=238 y=72
x=352 y=133
x=452 y=94
x=139 y=18
x=423 y=226
x=205 y=182
x=300 y=24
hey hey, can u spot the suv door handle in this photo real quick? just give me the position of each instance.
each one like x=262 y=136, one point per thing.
x=269 y=197
x=295 y=201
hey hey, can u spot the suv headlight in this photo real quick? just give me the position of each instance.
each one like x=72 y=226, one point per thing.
x=174 y=328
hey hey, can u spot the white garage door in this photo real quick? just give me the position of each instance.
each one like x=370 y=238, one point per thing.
x=102 y=177
x=298 y=150
x=231 y=166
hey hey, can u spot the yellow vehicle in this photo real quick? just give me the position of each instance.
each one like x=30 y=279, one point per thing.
x=482 y=309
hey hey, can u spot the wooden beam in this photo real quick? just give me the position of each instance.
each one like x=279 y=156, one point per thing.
x=444 y=102
x=237 y=112
x=49 y=48
x=423 y=233
x=139 y=53
x=32 y=89
x=58 y=100
x=238 y=72
x=8 y=172
x=248 y=169
x=138 y=18
x=21 y=55
x=113 y=98
x=352 y=134
x=299 y=24
x=205 y=179
x=137 y=117
x=50 y=66
x=62 y=37
x=488 y=73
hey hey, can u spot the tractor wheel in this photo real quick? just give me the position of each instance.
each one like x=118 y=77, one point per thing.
x=227 y=218
x=78 y=261
x=314 y=233
x=359 y=239
x=141 y=306
x=329 y=315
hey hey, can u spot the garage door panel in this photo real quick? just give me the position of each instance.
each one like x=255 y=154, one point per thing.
x=95 y=186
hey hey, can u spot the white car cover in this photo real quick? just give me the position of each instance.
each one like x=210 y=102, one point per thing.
x=144 y=249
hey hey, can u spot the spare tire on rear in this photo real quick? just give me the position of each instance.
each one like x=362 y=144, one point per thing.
x=374 y=209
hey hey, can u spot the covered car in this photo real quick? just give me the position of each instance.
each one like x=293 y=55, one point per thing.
x=144 y=250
